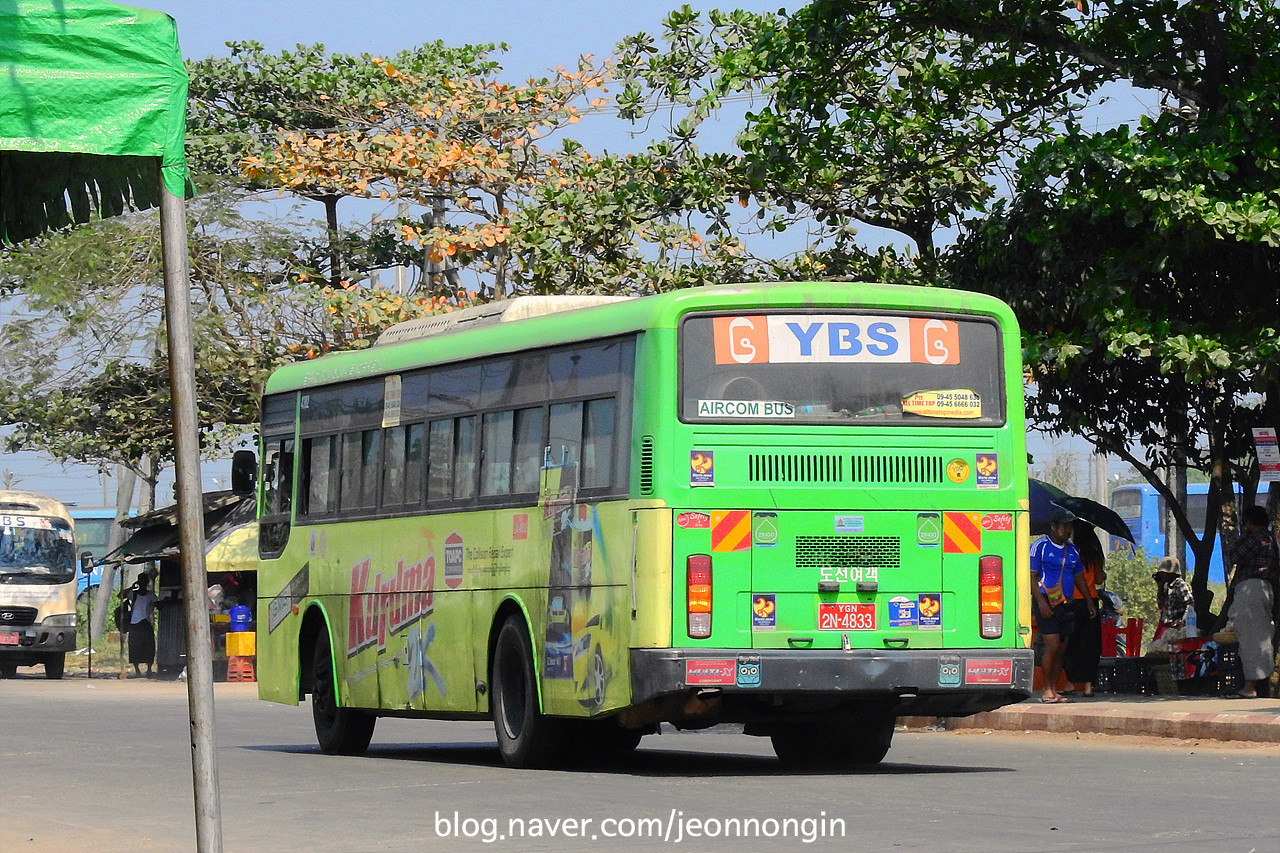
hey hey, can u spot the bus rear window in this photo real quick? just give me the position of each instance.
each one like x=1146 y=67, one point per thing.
x=841 y=368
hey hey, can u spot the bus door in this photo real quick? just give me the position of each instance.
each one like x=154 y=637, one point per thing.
x=829 y=580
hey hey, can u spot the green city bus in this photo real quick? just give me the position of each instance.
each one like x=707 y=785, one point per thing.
x=801 y=507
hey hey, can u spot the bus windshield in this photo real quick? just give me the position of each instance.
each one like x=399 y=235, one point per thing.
x=847 y=368
x=35 y=550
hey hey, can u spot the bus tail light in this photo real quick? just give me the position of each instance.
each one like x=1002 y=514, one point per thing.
x=991 y=596
x=697 y=569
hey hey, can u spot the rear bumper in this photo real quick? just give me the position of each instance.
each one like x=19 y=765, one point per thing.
x=933 y=682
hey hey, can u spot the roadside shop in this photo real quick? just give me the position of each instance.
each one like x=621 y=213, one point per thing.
x=231 y=563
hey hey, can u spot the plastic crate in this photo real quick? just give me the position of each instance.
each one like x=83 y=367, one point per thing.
x=242 y=644
x=1126 y=675
x=1230 y=675
x=1122 y=640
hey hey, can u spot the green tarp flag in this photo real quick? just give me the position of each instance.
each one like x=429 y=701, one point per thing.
x=92 y=94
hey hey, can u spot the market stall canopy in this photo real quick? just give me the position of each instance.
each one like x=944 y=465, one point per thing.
x=231 y=534
x=1045 y=498
x=92 y=95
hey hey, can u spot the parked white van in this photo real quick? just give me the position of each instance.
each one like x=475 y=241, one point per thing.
x=38 y=568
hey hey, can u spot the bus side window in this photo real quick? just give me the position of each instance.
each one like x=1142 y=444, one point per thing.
x=464 y=451
x=402 y=466
x=370 y=466
x=273 y=529
x=495 y=463
x=318 y=469
x=393 y=474
x=349 y=482
x=566 y=433
x=528 y=451
x=440 y=461
x=597 y=444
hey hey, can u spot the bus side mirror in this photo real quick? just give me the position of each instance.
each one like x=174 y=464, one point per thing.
x=86 y=562
x=244 y=472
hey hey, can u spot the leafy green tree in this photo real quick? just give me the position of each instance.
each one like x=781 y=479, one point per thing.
x=240 y=106
x=1143 y=261
x=1129 y=576
x=85 y=375
x=867 y=119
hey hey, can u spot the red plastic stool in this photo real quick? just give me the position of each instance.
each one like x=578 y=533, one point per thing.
x=240 y=669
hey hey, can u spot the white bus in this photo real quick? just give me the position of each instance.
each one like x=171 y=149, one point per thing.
x=37 y=583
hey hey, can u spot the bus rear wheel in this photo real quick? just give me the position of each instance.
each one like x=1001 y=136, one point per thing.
x=8 y=670
x=861 y=741
x=526 y=738
x=339 y=731
x=55 y=665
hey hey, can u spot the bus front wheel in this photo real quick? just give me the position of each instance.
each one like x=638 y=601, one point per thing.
x=339 y=731
x=55 y=665
x=526 y=738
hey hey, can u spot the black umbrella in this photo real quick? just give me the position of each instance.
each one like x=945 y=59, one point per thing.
x=1046 y=498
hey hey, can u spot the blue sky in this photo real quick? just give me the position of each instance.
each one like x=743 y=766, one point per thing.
x=540 y=34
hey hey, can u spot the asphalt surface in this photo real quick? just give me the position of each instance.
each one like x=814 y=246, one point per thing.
x=104 y=765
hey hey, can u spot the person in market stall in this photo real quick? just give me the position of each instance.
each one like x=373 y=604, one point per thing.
x=142 y=635
x=1173 y=595
x=1255 y=570
x=1084 y=647
x=1055 y=571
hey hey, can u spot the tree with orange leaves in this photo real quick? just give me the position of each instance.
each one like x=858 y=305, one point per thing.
x=468 y=149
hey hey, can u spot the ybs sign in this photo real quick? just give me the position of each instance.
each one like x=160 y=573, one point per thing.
x=788 y=338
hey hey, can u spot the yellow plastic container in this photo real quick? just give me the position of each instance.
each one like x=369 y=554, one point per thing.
x=242 y=644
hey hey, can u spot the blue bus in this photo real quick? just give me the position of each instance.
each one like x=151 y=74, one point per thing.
x=1142 y=508
x=93 y=530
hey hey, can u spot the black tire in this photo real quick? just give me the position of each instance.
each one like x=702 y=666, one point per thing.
x=339 y=731
x=601 y=741
x=54 y=666
x=526 y=738
x=8 y=670
x=862 y=741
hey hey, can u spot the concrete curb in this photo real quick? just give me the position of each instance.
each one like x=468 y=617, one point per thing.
x=1256 y=720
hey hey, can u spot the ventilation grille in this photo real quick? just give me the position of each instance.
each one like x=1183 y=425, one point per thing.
x=795 y=468
x=17 y=616
x=841 y=552
x=646 y=465
x=896 y=469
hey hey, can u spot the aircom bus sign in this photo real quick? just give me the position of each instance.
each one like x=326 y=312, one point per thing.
x=792 y=338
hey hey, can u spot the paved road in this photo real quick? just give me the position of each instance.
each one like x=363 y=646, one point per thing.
x=105 y=766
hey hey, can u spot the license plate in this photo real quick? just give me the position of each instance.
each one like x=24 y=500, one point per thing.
x=8 y=639
x=846 y=617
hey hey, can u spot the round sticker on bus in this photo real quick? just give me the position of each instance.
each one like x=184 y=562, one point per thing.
x=958 y=470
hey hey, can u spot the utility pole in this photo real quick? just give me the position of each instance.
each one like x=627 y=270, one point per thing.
x=186 y=463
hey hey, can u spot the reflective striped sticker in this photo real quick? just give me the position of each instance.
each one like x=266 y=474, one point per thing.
x=731 y=530
x=961 y=532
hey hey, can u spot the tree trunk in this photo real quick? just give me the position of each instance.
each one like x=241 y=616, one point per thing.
x=335 y=254
x=125 y=480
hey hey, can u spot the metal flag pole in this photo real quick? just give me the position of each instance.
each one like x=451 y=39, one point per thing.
x=186 y=444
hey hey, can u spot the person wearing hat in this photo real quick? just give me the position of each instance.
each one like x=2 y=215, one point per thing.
x=1056 y=571
x=1172 y=594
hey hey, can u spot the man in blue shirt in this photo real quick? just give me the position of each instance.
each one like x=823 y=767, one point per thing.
x=1055 y=571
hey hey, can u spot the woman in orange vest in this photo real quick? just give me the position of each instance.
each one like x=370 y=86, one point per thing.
x=1080 y=661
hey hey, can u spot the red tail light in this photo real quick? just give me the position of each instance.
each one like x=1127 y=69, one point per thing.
x=697 y=569
x=991 y=596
